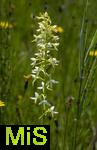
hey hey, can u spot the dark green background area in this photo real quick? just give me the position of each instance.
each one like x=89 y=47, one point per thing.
x=16 y=49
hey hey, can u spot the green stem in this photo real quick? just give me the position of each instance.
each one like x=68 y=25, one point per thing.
x=81 y=70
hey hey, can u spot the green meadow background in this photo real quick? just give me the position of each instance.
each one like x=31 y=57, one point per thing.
x=16 y=49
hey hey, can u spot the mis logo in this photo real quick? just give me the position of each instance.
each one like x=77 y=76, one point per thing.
x=25 y=137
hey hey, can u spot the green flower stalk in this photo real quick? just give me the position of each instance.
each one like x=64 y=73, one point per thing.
x=44 y=62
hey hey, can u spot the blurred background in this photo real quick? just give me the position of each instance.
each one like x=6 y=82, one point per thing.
x=17 y=26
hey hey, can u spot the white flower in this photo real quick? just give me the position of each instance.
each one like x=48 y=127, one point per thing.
x=36 y=77
x=54 y=81
x=35 y=98
x=33 y=61
x=38 y=30
x=44 y=102
x=50 y=83
x=49 y=45
x=56 y=38
x=41 y=25
x=41 y=45
x=36 y=70
x=51 y=109
x=42 y=86
x=55 y=45
x=54 y=26
x=53 y=61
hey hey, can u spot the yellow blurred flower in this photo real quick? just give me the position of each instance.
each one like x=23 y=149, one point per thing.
x=5 y=25
x=2 y=103
x=28 y=77
x=93 y=53
x=59 y=29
